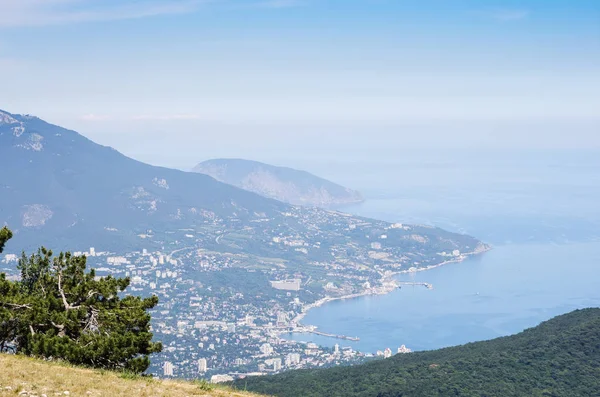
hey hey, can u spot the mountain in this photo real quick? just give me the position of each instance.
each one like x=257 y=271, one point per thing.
x=60 y=183
x=60 y=188
x=280 y=183
x=67 y=192
x=213 y=253
x=560 y=357
x=25 y=376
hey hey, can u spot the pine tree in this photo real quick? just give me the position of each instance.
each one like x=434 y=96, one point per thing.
x=58 y=310
x=7 y=291
x=5 y=235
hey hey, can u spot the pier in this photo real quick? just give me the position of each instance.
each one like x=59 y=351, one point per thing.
x=350 y=338
x=426 y=285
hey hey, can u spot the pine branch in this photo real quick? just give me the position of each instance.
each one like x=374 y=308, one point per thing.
x=62 y=294
x=61 y=329
x=16 y=306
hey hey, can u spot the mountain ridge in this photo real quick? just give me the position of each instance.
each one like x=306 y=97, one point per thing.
x=60 y=187
x=559 y=357
x=285 y=184
x=48 y=144
x=203 y=238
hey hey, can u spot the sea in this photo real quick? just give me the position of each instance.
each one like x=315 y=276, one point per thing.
x=539 y=211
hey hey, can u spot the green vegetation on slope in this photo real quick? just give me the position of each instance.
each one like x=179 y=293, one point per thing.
x=5 y=235
x=560 y=357
x=58 y=310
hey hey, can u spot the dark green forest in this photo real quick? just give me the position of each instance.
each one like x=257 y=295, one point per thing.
x=560 y=357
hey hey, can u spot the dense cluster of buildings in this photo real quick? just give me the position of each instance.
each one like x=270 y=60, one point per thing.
x=211 y=332
x=229 y=295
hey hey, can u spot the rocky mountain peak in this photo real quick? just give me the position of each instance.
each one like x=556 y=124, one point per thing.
x=7 y=118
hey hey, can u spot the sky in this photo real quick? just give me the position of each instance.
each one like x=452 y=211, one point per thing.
x=288 y=81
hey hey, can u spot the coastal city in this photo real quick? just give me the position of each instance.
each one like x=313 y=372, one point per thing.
x=226 y=314
x=299 y=198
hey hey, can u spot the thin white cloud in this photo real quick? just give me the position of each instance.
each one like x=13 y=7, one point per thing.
x=17 y=13
x=26 y=13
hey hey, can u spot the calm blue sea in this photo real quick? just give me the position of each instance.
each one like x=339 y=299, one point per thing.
x=541 y=215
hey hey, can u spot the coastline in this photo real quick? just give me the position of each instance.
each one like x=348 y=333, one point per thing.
x=459 y=259
x=388 y=284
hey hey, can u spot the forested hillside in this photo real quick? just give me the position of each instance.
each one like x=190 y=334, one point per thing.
x=560 y=357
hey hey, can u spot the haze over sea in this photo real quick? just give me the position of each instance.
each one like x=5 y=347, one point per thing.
x=538 y=209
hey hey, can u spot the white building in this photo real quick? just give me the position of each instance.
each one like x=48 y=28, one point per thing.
x=287 y=285
x=221 y=378
x=376 y=246
x=168 y=368
x=387 y=353
x=202 y=365
x=117 y=260
x=266 y=349
x=276 y=364
x=282 y=319
x=292 y=359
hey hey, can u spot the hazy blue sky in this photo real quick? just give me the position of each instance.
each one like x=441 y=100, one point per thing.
x=174 y=82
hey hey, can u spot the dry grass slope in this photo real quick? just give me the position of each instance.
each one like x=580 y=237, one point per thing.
x=22 y=376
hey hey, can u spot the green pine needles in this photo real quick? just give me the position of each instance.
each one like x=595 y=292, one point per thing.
x=58 y=310
x=5 y=235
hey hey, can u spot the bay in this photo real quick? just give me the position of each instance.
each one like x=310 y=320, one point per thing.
x=540 y=213
x=502 y=292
